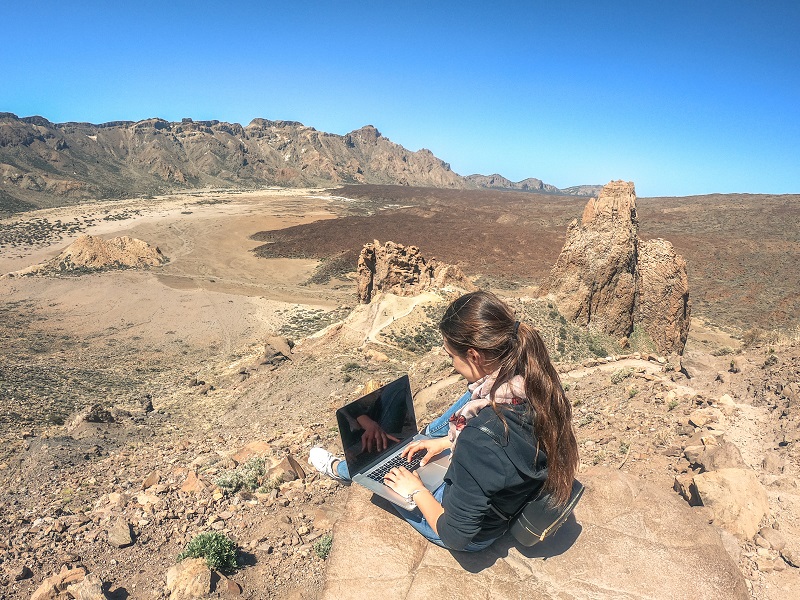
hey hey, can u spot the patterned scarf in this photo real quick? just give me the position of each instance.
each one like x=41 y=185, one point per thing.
x=511 y=392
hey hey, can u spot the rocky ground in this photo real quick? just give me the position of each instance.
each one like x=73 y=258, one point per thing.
x=195 y=398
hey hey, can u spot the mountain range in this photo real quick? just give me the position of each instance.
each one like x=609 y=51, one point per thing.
x=47 y=164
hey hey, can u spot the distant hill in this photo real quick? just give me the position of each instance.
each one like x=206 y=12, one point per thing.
x=531 y=184
x=48 y=164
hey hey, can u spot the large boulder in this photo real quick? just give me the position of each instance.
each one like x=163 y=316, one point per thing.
x=736 y=498
x=402 y=270
x=608 y=280
x=629 y=540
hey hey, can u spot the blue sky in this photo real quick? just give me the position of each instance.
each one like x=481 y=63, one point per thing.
x=680 y=97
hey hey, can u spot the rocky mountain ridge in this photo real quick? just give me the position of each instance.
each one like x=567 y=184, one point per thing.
x=47 y=164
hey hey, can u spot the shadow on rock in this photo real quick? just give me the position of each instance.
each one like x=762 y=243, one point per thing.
x=557 y=544
x=475 y=562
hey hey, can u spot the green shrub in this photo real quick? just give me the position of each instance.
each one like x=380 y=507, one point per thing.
x=322 y=547
x=597 y=348
x=247 y=475
x=621 y=374
x=218 y=550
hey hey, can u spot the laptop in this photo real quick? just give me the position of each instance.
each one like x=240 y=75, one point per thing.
x=391 y=407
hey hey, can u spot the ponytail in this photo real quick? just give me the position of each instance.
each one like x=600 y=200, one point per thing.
x=482 y=321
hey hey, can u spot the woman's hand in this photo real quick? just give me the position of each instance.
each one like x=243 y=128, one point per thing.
x=402 y=481
x=431 y=446
x=374 y=438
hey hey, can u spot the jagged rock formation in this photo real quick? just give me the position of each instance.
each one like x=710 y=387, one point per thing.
x=607 y=279
x=48 y=164
x=123 y=158
x=594 y=277
x=90 y=253
x=402 y=270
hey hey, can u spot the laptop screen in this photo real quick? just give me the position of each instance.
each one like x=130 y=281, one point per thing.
x=391 y=407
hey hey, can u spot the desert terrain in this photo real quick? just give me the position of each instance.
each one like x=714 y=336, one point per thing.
x=188 y=385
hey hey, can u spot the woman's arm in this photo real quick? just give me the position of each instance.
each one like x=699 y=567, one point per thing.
x=404 y=483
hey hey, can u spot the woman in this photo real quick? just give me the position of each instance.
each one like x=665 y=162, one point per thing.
x=510 y=434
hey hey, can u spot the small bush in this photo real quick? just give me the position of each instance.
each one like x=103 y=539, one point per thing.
x=596 y=348
x=672 y=404
x=621 y=374
x=218 y=550
x=633 y=391
x=723 y=351
x=322 y=547
x=247 y=475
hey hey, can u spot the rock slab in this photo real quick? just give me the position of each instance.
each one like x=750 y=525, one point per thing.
x=628 y=540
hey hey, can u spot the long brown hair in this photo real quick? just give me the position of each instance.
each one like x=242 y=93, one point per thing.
x=480 y=320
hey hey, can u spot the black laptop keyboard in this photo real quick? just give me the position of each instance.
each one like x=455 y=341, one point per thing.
x=396 y=461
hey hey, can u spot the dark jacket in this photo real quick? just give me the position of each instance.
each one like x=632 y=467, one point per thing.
x=483 y=471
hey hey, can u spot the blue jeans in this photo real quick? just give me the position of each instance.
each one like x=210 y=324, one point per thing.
x=437 y=428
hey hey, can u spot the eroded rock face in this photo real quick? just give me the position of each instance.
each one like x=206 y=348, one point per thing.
x=593 y=279
x=608 y=280
x=662 y=295
x=402 y=270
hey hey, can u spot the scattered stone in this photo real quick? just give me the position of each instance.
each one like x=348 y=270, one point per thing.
x=765 y=565
x=252 y=449
x=276 y=350
x=695 y=364
x=120 y=534
x=375 y=355
x=761 y=542
x=19 y=572
x=152 y=479
x=92 y=414
x=91 y=588
x=193 y=484
x=226 y=587
x=190 y=578
x=773 y=538
x=713 y=457
x=57 y=583
x=726 y=405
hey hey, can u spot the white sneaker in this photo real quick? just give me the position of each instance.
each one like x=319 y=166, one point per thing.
x=322 y=461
